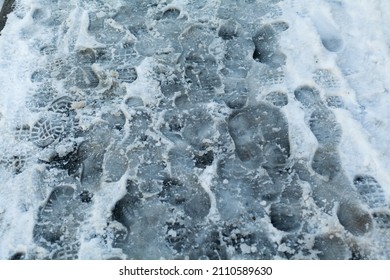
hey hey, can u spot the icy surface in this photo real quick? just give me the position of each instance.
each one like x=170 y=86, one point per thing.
x=186 y=129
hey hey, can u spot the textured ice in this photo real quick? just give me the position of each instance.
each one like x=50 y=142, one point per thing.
x=185 y=129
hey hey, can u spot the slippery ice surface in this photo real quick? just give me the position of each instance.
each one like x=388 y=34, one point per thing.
x=195 y=129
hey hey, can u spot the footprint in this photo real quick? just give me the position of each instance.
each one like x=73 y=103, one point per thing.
x=335 y=102
x=236 y=95
x=16 y=163
x=277 y=98
x=124 y=55
x=115 y=119
x=272 y=77
x=208 y=246
x=86 y=57
x=124 y=209
x=204 y=159
x=47 y=130
x=354 y=219
x=308 y=96
x=22 y=133
x=127 y=75
x=267 y=48
x=236 y=60
x=54 y=220
x=201 y=76
x=192 y=197
x=326 y=163
x=248 y=138
x=370 y=191
x=57 y=68
x=260 y=135
x=280 y=26
x=328 y=32
x=134 y=102
x=382 y=219
x=178 y=236
x=326 y=79
x=115 y=164
x=84 y=77
x=50 y=50
x=62 y=106
x=331 y=247
x=229 y=30
x=286 y=217
x=170 y=14
x=67 y=252
x=38 y=14
x=41 y=97
x=198 y=130
x=324 y=126
x=18 y=256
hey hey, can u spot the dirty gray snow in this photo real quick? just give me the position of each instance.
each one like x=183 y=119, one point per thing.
x=194 y=129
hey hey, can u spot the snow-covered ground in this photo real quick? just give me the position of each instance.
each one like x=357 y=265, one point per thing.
x=195 y=129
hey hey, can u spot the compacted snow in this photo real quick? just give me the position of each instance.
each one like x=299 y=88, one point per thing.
x=190 y=129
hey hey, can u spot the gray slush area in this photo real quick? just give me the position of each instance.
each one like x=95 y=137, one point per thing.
x=163 y=135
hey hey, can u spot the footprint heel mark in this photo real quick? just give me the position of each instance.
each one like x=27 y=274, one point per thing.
x=125 y=213
x=331 y=247
x=328 y=32
x=38 y=14
x=18 y=256
x=236 y=60
x=229 y=30
x=370 y=191
x=280 y=26
x=260 y=135
x=247 y=137
x=324 y=126
x=308 y=96
x=274 y=127
x=198 y=129
x=267 y=48
x=115 y=165
x=326 y=163
x=354 y=219
x=286 y=217
x=236 y=95
x=54 y=219
x=190 y=196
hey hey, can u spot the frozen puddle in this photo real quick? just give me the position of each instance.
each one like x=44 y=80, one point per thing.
x=195 y=130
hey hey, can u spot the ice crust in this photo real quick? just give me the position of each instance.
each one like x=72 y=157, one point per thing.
x=195 y=130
